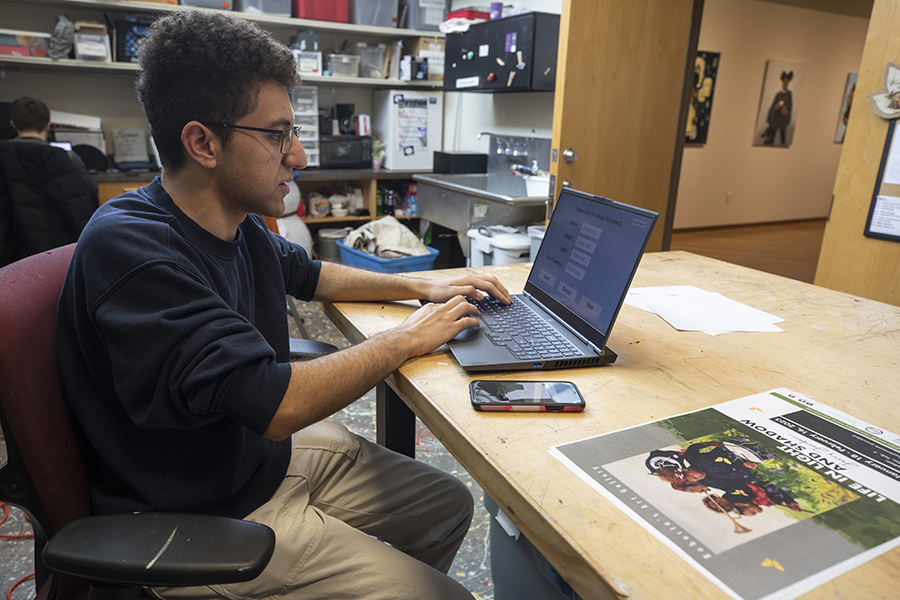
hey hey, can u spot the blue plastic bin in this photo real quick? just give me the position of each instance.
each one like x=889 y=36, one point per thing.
x=356 y=258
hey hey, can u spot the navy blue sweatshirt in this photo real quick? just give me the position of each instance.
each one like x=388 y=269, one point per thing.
x=173 y=351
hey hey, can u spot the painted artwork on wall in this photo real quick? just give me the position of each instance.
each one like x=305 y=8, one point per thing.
x=779 y=104
x=706 y=66
x=844 y=116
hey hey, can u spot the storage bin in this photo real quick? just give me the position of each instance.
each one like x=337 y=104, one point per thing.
x=518 y=569
x=308 y=62
x=269 y=7
x=322 y=10
x=424 y=14
x=356 y=258
x=536 y=235
x=328 y=241
x=371 y=60
x=306 y=114
x=220 y=4
x=497 y=249
x=306 y=101
x=23 y=43
x=470 y=14
x=312 y=155
x=382 y=13
x=343 y=65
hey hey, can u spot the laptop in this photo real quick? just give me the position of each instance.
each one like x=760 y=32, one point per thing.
x=577 y=284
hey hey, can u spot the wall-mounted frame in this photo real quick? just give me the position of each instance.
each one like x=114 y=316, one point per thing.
x=883 y=221
x=844 y=116
x=706 y=67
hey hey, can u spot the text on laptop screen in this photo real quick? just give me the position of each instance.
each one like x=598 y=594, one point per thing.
x=587 y=257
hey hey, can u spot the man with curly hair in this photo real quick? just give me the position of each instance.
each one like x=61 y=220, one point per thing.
x=174 y=354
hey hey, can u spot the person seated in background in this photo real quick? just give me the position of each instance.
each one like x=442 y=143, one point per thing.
x=31 y=119
x=173 y=345
x=45 y=198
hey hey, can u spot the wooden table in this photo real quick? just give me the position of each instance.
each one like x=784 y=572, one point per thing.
x=838 y=349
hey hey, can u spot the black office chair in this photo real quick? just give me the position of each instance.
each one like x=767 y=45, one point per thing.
x=45 y=474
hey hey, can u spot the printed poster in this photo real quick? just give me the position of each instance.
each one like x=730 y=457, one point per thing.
x=768 y=496
x=412 y=125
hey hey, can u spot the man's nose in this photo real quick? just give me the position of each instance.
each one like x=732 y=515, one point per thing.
x=296 y=156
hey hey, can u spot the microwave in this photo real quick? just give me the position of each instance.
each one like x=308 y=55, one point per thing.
x=345 y=152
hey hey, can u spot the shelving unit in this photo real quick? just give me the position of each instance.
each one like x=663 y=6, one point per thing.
x=37 y=15
x=268 y=21
x=365 y=179
x=39 y=64
x=282 y=27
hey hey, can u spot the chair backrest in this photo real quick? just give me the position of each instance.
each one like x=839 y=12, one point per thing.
x=45 y=473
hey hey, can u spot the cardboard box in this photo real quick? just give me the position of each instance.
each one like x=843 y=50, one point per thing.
x=430 y=48
x=415 y=45
x=92 y=42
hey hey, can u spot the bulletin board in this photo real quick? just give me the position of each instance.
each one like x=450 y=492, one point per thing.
x=883 y=221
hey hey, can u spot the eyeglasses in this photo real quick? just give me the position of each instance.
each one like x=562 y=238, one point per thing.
x=285 y=136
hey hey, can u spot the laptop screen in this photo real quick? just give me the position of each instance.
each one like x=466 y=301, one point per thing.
x=589 y=254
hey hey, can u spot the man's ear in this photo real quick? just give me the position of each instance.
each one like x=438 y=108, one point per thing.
x=201 y=145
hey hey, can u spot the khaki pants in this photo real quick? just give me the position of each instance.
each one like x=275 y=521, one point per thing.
x=340 y=493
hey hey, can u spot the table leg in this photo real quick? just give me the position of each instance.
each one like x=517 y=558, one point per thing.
x=395 y=423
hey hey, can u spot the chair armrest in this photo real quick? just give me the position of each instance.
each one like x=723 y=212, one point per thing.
x=166 y=549
x=303 y=349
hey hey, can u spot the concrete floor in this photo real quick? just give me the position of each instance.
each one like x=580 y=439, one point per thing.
x=472 y=564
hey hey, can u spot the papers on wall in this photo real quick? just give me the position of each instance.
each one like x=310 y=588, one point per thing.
x=688 y=308
x=130 y=146
x=883 y=221
x=67 y=119
x=885 y=217
x=769 y=496
x=78 y=130
x=82 y=137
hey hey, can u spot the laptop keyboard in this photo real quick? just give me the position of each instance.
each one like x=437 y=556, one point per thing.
x=524 y=332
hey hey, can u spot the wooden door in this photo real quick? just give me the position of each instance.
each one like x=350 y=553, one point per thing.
x=620 y=93
x=849 y=261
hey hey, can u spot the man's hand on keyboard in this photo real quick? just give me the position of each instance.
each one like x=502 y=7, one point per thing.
x=471 y=286
x=434 y=324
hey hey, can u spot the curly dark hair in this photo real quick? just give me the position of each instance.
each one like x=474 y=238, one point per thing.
x=204 y=66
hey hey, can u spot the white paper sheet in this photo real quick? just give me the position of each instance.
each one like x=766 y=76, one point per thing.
x=689 y=308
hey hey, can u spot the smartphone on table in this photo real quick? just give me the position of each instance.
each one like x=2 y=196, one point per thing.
x=533 y=396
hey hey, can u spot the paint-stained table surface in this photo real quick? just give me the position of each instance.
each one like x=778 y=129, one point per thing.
x=841 y=350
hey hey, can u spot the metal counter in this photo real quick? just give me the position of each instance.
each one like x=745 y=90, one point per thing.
x=463 y=202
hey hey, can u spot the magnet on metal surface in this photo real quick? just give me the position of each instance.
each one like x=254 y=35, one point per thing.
x=521 y=64
x=512 y=75
x=500 y=62
x=491 y=77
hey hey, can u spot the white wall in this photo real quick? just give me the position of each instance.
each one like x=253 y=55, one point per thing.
x=528 y=114
x=768 y=183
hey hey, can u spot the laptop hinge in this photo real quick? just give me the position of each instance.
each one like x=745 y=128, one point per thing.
x=583 y=339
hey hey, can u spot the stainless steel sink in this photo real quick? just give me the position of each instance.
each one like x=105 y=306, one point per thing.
x=463 y=202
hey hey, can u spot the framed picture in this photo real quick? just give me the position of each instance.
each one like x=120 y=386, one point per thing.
x=844 y=115
x=779 y=104
x=706 y=66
